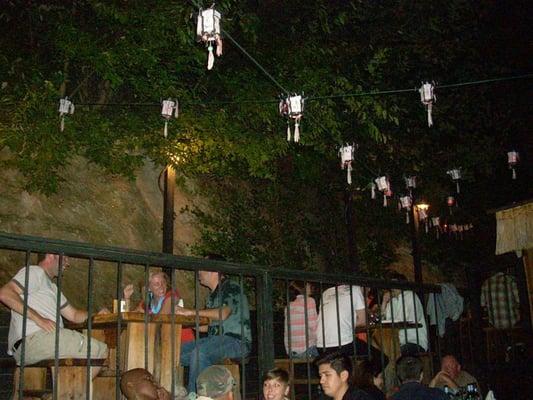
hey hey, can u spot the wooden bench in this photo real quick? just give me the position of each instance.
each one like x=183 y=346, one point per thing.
x=71 y=378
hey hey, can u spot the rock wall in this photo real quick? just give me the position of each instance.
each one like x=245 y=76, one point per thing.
x=95 y=208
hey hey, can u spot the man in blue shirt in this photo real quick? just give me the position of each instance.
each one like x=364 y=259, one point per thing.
x=409 y=371
x=229 y=332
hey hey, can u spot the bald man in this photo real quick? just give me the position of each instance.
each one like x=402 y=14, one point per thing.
x=452 y=375
x=139 y=384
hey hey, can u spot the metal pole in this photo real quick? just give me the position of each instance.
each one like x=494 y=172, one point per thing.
x=417 y=262
x=168 y=212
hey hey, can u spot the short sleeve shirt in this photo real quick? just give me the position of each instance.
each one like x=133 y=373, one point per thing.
x=42 y=297
x=328 y=334
x=228 y=293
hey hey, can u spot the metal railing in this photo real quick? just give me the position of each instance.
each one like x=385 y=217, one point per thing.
x=266 y=289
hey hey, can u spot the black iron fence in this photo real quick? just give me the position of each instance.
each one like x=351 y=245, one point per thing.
x=341 y=304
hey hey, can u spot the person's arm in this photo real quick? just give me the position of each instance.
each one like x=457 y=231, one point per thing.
x=10 y=295
x=73 y=314
x=360 y=319
x=384 y=302
x=221 y=313
x=443 y=379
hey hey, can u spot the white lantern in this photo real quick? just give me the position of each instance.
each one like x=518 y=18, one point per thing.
x=372 y=190
x=428 y=98
x=435 y=222
x=292 y=107
x=65 y=107
x=169 y=109
x=456 y=177
x=383 y=185
x=208 y=31
x=410 y=182
x=347 y=154
x=405 y=203
x=513 y=158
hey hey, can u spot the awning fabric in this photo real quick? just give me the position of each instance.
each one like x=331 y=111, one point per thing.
x=514 y=229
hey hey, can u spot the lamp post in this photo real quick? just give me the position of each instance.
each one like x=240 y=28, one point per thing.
x=168 y=209
x=418 y=212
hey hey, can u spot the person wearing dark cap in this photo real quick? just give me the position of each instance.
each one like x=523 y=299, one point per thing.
x=215 y=383
x=409 y=370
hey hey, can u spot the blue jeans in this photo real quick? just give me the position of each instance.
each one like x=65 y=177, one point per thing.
x=204 y=352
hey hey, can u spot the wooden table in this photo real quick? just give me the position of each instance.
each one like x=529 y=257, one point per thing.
x=141 y=342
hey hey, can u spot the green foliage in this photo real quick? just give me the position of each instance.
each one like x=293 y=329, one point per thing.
x=271 y=202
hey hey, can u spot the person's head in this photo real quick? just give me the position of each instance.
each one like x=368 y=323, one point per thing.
x=334 y=370
x=396 y=277
x=451 y=366
x=139 y=384
x=158 y=284
x=50 y=263
x=211 y=279
x=367 y=374
x=215 y=382
x=276 y=384
x=409 y=369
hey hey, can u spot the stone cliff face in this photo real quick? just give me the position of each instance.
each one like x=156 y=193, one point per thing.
x=95 y=208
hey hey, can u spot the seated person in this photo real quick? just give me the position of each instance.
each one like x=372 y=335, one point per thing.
x=229 y=333
x=335 y=370
x=302 y=337
x=368 y=377
x=139 y=384
x=276 y=384
x=452 y=375
x=159 y=300
x=215 y=383
x=40 y=335
x=407 y=307
x=409 y=370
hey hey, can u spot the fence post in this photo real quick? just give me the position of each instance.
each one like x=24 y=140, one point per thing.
x=265 y=326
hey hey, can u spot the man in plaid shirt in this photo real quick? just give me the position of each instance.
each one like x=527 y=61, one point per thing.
x=499 y=294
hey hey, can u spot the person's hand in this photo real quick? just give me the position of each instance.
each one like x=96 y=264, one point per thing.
x=183 y=311
x=128 y=291
x=103 y=311
x=46 y=324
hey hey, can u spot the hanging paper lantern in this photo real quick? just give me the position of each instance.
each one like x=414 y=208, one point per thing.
x=372 y=190
x=513 y=158
x=410 y=184
x=169 y=109
x=292 y=107
x=422 y=212
x=383 y=185
x=208 y=31
x=435 y=222
x=428 y=98
x=405 y=203
x=347 y=154
x=65 y=107
x=456 y=177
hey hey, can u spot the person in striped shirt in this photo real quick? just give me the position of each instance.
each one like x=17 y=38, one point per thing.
x=302 y=333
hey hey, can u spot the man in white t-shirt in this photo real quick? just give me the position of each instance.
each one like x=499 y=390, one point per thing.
x=336 y=325
x=398 y=306
x=41 y=316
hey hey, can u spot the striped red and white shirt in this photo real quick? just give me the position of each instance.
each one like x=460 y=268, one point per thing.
x=296 y=310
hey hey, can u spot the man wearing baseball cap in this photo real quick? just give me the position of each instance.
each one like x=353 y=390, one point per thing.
x=215 y=383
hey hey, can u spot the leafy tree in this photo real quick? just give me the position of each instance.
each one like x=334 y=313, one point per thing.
x=273 y=202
